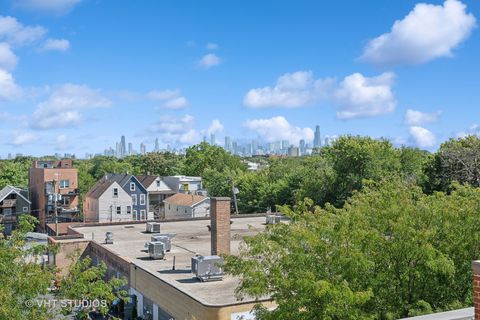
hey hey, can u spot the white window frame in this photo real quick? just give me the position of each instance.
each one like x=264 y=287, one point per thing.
x=117 y=210
x=25 y=209
x=62 y=185
x=134 y=217
x=142 y=199
x=115 y=195
x=129 y=209
x=134 y=199
x=143 y=215
x=132 y=186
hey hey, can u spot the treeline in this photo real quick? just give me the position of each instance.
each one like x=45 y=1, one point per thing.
x=331 y=175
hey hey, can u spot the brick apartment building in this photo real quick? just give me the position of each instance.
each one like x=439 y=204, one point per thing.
x=48 y=178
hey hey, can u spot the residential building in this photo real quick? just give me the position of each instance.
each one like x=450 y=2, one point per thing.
x=107 y=201
x=138 y=194
x=185 y=184
x=182 y=205
x=13 y=202
x=158 y=191
x=53 y=186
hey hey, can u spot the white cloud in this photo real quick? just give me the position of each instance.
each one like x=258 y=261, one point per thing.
x=21 y=138
x=427 y=32
x=172 y=99
x=48 y=6
x=16 y=34
x=355 y=96
x=55 y=45
x=292 y=90
x=215 y=127
x=473 y=130
x=63 y=107
x=418 y=118
x=359 y=96
x=278 y=128
x=8 y=88
x=422 y=137
x=212 y=46
x=8 y=59
x=209 y=60
x=175 y=130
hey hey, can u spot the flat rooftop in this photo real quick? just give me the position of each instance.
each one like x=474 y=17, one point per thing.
x=192 y=237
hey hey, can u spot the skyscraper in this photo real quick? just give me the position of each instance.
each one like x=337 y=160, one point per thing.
x=302 y=148
x=130 y=149
x=228 y=144
x=142 y=148
x=212 y=139
x=123 y=147
x=157 y=146
x=317 y=142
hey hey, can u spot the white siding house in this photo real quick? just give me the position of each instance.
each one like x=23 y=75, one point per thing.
x=186 y=206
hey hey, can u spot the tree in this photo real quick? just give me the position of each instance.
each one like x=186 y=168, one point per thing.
x=390 y=252
x=23 y=279
x=85 y=281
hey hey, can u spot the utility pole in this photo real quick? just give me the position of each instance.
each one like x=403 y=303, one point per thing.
x=235 y=191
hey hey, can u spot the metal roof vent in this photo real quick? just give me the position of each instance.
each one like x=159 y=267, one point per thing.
x=153 y=227
x=156 y=250
x=109 y=237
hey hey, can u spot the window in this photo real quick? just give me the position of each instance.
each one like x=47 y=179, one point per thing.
x=64 y=184
x=25 y=209
x=135 y=215
x=134 y=199
x=132 y=186
x=119 y=210
x=158 y=182
x=129 y=210
x=185 y=210
x=142 y=199
x=65 y=201
x=142 y=213
x=115 y=192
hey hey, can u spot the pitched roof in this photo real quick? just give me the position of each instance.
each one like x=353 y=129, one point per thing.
x=146 y=180
x=8 y=190
x=182 y=199
x=99 y=188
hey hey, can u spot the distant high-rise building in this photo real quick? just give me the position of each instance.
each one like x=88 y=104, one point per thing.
x=123 y=147
x=142 y=148
x=117 y=150
x=293 y=151
x=204 y=138
x=130 y=148
x=317 y=142
x=285 y=144
x=228 y=144
x=157 y=146
x=212 y=139
x=301 y=146
x=254 y=147
x=234 y=147
x=327 y=141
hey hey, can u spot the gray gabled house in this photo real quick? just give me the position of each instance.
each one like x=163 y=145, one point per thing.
x=13 y=202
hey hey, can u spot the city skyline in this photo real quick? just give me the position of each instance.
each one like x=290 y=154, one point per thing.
x=62 y=90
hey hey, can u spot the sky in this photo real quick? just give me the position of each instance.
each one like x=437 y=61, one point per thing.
x=75 y=75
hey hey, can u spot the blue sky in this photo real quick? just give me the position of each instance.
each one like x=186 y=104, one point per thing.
x=77 y=74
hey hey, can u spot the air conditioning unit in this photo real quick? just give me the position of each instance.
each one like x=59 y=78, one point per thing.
x=109 y=237
x=156 y=250
x=272 y=219
x=207 y=268
x=165 y=239
x=153 y=227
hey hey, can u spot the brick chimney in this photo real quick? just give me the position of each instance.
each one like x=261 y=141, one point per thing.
x=476 y=288
x=220 y=225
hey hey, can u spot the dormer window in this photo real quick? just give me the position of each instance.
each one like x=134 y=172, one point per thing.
x=115 y=192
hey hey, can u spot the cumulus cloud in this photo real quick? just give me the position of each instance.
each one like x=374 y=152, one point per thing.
x=172 y=99
x=16 y=34
x=8 y=59
x=209 y=60
x=176 y=130
x=215 y=127
x=278 y=128
x=473 y=130
x=418 y=118
x=422 y=137
x=291 y=90
x=360 y=96
x=55 y=45
x=58 y=7
x=21 y=138
x=64 y=106
x=355 y=96
x=427 y=32
x=8 y=88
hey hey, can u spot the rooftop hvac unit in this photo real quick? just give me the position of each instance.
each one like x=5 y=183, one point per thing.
x=272 y=219
x=109 y=237
x=156 y=250
x=153 y=227
x=207 y=268
x=165 y=239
